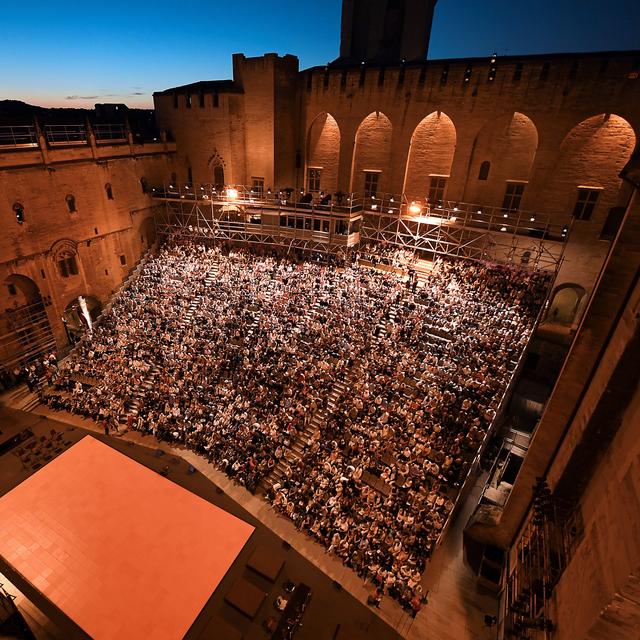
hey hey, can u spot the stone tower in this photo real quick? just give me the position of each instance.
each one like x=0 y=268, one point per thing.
x=385 y=31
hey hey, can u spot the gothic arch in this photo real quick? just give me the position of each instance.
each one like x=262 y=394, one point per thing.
x=592 y=154
x=74 y=317
x=509 y=144
x=372 y=151
x=431 y=151
x=217 y=168
x=27 y=291
x=323 y=152
x=567 y=301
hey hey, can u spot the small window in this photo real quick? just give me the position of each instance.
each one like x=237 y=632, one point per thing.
x=188 y=101
x=325 y=80
x=316 y=224
x=189 y=176
x=123 y=259
x=612 y=223
x=313 y=179
x=363 y=75
x=483 y=174
x=513 y=196
x=71 y=203
x=299 y=222
x=257 y=185
x=18 y=210
x=343 y=79
x=371 y=181
x=175 y=100
x=144 y=185
x=517 y=73
x=174 y=178
x=12 y=289
x=216 y=100
x=437 y=186
x=467 y=74
x=283 y=221
x=67 y=265
x=444 y=76
x=381 y=77
x=109 y=191
x=325 y=226
x=202 y=100
x=585 y=203
x=422 y=78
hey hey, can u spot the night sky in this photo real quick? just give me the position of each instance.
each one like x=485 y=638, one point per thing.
x=77 y=53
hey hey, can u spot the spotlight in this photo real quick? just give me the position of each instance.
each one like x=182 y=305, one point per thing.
x=453 y=218
x=374 y=206
x=455 y=208
x=503 y=228
x=232 y=194
x=532 y=218
x=479 y=210
x=415 y=208
x=505 y=215
x=390 y=210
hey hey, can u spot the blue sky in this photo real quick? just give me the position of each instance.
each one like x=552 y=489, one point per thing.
x=74 y=53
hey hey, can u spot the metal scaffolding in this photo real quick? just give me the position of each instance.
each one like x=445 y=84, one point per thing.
x=294 y=219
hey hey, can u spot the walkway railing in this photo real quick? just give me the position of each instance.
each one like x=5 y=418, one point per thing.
x=18 y=136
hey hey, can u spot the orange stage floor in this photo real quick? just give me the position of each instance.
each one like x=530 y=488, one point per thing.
x=122 y=551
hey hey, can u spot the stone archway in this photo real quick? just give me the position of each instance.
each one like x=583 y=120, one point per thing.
x=322 y=154
x=74 y=316
x=566 y=303
x=25 y=331
x=433 y=145
x=372 y=155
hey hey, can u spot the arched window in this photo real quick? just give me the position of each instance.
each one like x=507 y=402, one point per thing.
x=18 y=209
x=484 y=170
x=71 y=203
x=218 y=175
x=67 y=264
x=144 y=184
x=109 y=190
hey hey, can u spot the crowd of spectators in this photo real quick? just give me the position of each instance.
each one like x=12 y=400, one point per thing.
x=231 y=354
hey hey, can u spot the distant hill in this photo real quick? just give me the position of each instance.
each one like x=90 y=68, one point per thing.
x=142 y=122
x=18 y=112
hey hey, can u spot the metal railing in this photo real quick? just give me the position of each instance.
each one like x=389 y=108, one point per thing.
x=110 y=132
x=63 y=134
x=18 y=136
x=445 y=213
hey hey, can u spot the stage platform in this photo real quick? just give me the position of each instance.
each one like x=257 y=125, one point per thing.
x=329 y=607
x=121 y=551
